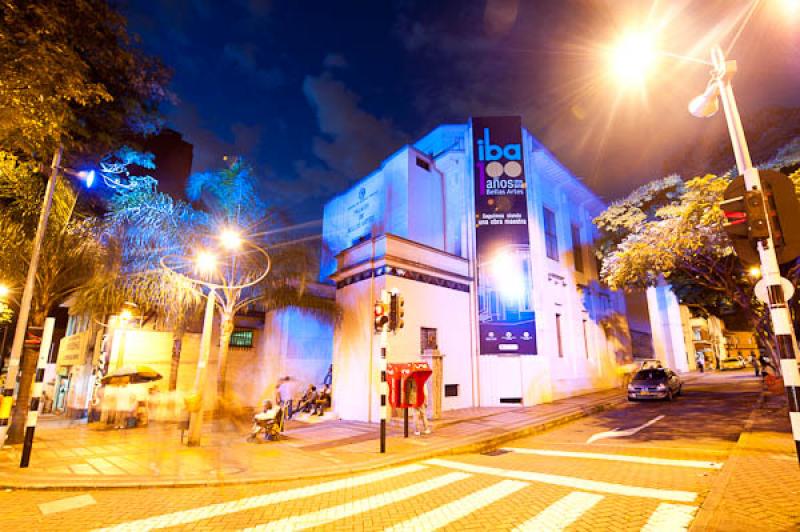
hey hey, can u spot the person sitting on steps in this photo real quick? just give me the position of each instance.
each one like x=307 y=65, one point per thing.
x=323 y=401
x=306 y=402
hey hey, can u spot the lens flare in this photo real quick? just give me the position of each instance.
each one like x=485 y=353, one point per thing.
x=632 y=58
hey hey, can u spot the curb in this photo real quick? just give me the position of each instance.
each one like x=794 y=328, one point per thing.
x=706 y=514
x=473 y=445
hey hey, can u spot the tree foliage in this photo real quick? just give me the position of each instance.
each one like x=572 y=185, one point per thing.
x=673 y=231
x=70 y=74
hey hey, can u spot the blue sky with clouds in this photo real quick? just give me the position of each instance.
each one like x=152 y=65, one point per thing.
x=317 y=93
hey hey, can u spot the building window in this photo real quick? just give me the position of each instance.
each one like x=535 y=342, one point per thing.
x=697 y=333
x=241 y=338
x=422 y=163
x=558 y=336
x=451 y=390
x=577 y=248
x=427 y=339
x=550 y=236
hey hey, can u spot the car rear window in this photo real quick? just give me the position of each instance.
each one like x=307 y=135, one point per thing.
x=650 y=374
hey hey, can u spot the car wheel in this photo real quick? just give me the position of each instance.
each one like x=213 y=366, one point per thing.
x=670 y=397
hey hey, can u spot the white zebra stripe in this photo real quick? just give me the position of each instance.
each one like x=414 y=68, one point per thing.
x=214 y=510
x=618 y=458
x=561 y=513
x=670 y=517
x=455 y=510
x=348 y=509
x=570 y=482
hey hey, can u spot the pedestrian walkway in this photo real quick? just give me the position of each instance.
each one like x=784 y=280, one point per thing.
x=86 y=456
x=759 y=486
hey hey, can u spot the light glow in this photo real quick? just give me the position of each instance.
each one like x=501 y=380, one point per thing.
x=632 y=58
x=4 y=291
x=88 y=177
x=231 y=239
x=206 y=262
x=508 y=278
x=754 y=271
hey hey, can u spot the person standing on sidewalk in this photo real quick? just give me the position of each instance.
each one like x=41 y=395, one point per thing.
x=754 y=363
x=420 y=412
x=701 y=361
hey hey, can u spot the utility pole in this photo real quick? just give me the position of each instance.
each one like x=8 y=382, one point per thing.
x=27 y=296
x=770 y=270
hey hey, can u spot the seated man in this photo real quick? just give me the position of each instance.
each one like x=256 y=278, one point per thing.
x=306 y=402
x=323 y=401
x=265 y=420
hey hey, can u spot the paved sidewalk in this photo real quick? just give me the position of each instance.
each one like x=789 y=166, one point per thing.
x=76 y=455
x=759 y=485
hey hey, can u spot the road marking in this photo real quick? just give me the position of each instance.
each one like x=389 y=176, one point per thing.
x=619 y=458
x=213 y=510
x=670 y=517
x=452 y=511
x=616 y=433
x=350 y=508
x=561 y=513
x=570 y=482
x=62 y=505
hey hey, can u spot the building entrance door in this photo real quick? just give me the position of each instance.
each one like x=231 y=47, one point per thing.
x=508 y=379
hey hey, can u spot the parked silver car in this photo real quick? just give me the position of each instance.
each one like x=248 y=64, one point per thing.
x=655 y=383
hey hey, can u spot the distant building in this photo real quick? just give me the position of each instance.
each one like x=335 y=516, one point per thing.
x=173 y=158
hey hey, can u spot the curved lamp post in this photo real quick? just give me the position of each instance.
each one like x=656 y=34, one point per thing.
x=205 y=270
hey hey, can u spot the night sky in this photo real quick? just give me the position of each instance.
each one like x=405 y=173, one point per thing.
x=316 y=93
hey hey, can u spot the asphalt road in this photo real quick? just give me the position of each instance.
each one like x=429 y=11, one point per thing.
x=649 y=467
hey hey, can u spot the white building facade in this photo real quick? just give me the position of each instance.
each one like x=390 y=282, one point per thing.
x=533 y=326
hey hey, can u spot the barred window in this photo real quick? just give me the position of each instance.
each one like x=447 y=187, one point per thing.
x=241 y=338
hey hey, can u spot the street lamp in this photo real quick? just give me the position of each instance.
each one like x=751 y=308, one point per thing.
x=27 y=291
x=772 y=287
x=4 y=291
x=231 y=239
x=633 y=57
x=207 y=267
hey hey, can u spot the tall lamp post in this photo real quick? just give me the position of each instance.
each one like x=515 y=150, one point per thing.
x=705 y=106
x=632 y=59
x=27 y=292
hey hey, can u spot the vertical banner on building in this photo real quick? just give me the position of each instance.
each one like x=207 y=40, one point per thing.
x=506 y=319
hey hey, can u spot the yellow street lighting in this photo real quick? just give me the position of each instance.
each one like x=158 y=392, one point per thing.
x=125 y=315
x=4 y=291
x=632 y=58
x=205 y=262
x=231 y=239
x=754 y=271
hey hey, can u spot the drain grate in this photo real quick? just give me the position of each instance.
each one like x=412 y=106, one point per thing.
x=495 y=452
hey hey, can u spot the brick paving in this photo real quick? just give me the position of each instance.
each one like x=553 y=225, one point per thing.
x=759 y=488
x=75 y=454
x=724 y=470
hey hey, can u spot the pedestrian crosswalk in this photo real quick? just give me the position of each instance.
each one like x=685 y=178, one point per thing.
x=434 y=494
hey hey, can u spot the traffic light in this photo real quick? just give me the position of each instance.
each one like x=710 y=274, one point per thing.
x=749 y=218
x=396 y=312
x=381 y=316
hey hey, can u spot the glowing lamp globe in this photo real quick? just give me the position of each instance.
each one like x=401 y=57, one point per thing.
x=632 y=58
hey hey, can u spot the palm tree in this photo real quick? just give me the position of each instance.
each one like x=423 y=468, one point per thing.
x=232 y=198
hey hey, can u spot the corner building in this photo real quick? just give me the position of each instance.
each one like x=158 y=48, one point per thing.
x=490 y=241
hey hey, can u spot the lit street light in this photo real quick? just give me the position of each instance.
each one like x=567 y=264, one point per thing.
x=632 y=58
x=206 y=263
x=4 y=291
x=27 y=291
x=231 y=240
x=772 y=286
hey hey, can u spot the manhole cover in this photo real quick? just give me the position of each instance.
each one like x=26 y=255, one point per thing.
x=495 y=452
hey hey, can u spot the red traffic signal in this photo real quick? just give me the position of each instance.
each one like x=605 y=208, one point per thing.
x=381 y=315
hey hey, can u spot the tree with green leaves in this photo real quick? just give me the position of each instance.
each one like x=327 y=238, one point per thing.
x=71 y=75
x=671 y=230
